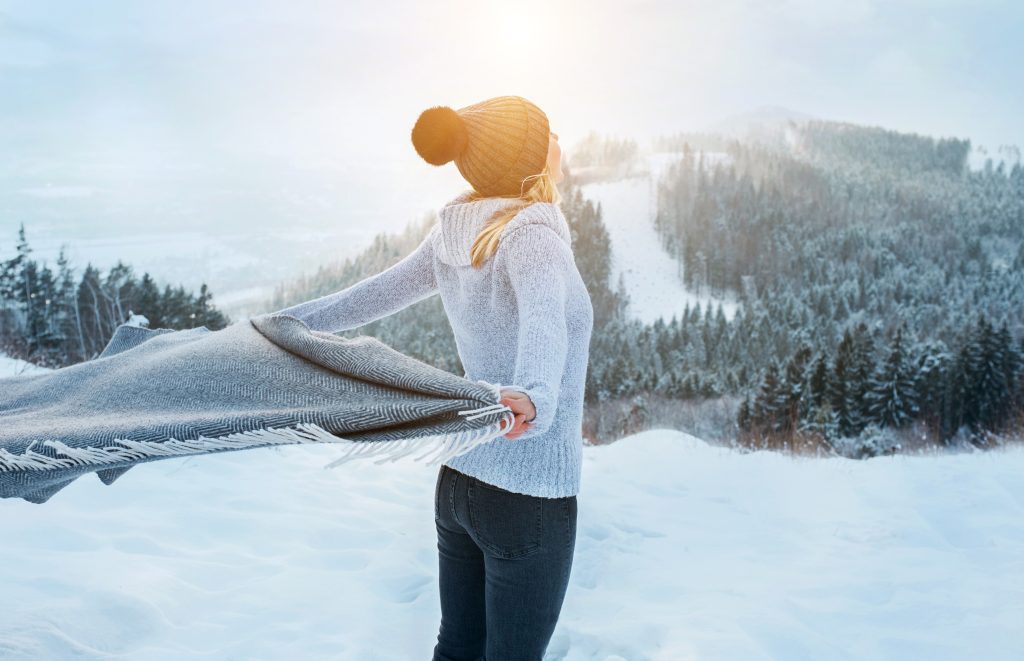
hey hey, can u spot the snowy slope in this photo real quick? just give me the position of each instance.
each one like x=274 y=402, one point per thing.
x=684 y=551
x=651 y=275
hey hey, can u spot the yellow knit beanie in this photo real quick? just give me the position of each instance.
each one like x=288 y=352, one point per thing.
x=495 y=143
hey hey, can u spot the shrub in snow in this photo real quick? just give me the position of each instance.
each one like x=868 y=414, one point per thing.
x=871 y=442
x=969 y=439
x=635 y=419
x=137 y=320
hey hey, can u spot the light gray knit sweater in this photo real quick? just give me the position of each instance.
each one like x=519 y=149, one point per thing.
x=522 y=321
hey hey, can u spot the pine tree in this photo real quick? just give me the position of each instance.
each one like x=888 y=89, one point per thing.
x=842 y=396
x=892 y=396
x=974 y=380
x=68 y=313
x=766 y=411
x=992 y=381
x=791 y=391
x=744 y=414
x=863 y=364
x=933 y=368
x=820 y=385
x=29 y=298
x=49 y=338
x=147 y=302
x=205 y=313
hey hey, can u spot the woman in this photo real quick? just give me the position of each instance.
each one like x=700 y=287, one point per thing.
x=501 y=259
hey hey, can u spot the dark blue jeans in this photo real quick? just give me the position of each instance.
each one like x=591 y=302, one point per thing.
x=504 y=563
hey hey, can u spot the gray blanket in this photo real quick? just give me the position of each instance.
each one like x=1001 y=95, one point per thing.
x=270 y=380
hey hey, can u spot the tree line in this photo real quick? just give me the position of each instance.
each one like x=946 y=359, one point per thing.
x=972 y=390
x=846 y=239
x=53 y=319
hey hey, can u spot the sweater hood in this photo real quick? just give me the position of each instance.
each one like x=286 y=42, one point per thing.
x=460 y=220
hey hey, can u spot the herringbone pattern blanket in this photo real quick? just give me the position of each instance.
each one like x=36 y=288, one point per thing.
x=270 y=380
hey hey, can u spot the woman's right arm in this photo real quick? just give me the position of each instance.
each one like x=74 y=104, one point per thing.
x=409 y=281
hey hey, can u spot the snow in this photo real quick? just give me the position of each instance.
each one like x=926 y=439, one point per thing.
x=14 y=366
x=684 y=551
x=139 y=320
x=652 y=277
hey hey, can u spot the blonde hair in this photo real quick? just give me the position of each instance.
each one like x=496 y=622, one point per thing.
x=486 y=242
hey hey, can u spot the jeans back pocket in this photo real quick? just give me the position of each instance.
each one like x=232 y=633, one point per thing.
x=507 y=524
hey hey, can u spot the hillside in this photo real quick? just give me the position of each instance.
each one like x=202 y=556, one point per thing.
x=652 y=277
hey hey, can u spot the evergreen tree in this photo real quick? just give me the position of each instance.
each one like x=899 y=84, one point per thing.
x=992 y=376
x=48 y=339
x=147 y=302
x=820 y=385
x=863 y=366
x=204 y=312
x=49 y=319
x=766 y=409
x=744 y=414
x=892 y=397
x=66 y=313
x=791 y=391
x=933 y=368
x=843 y=396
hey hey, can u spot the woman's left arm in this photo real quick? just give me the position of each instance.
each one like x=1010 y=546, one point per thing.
x=539 y=264
x=409 y=281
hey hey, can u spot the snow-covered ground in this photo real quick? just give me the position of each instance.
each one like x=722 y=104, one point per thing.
x=652 y=277
x=13 y=366
x=684 y=551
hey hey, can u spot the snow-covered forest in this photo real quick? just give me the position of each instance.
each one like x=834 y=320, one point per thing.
x=54 y=319
x=829 y=287
x=863 y=290
x=882 y=281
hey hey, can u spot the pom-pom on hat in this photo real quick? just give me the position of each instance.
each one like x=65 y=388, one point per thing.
x=495 y=143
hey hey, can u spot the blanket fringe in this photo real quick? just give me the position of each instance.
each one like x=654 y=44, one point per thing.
x=439 y=447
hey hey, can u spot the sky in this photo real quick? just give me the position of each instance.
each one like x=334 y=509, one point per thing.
x=208 y=113
x=298 y=79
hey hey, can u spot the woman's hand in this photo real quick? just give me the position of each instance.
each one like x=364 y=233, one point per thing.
x=523 y=409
